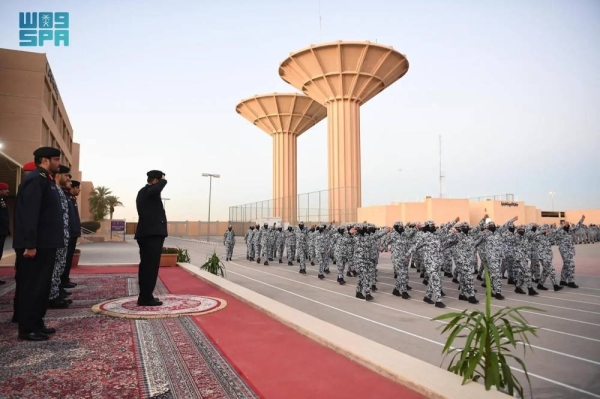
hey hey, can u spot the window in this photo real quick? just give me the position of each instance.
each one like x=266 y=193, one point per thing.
x=550 y=214
x=47 y=95
x=45 y=135
x=54 y=109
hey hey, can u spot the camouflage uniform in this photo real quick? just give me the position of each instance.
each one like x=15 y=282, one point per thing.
x=279 y=243
x=321 y=249
x=494 y=244
x=61 y=253
x=374 y=237
x=341 y=255
x=546 y=257
x=564 y=239
x=311 y=246
x=302 y=246
x=523 y=243
x=509 y=263
x=349 y=251
x=290 y=244
x=265 y=239
x=534 y=256
x=256 y=240
x=249 y=245
x=229 y=242
x=400 y=240
x=272 y=248
x=362 y=259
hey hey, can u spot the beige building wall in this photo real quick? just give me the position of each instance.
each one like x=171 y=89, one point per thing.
x=32 y=113
x=87 y=187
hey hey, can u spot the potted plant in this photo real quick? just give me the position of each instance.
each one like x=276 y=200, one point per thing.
x=183 y=256
x=214 y=265
x=76 y=256
x=489 y=339
x=168 y=257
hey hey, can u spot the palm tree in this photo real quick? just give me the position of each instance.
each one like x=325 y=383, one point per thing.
x=112 y=201
x=99 y=202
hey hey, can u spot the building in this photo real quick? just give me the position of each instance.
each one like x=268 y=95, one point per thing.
x=32 y=115
x=442 y=210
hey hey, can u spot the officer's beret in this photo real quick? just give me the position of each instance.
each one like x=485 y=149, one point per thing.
x=46 y=152
x=29 y=166
x=75 y=183
x=3 y=186
x=62 y=169
x=155 y=174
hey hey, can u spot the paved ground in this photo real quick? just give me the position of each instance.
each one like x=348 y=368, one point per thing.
x=566 y=358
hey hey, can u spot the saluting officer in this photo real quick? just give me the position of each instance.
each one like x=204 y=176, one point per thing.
x=150 y=235
x=38 y=233
x=4 y=220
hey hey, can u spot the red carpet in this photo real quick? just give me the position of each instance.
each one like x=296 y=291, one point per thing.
x=275 y=360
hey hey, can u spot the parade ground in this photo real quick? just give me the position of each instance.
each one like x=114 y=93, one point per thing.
x=275 y=360
x=565 y=362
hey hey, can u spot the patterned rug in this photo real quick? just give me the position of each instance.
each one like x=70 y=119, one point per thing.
x=173 y=306
x=104 y=357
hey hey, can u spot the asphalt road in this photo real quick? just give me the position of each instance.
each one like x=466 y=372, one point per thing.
x=565 y=362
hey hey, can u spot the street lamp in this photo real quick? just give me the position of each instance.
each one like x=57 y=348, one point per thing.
x=552 y=194
x=210 y=176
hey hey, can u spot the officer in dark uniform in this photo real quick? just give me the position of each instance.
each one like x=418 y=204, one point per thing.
x=150 y=235
x=4 y=220
x=75 y=233
x=38 y=233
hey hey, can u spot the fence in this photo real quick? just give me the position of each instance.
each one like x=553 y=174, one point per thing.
x=498 y=197
x=337 y=205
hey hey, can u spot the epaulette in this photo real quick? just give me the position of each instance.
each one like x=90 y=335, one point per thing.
x=43 y=174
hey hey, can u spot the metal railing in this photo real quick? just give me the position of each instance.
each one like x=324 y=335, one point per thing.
x=497 y=197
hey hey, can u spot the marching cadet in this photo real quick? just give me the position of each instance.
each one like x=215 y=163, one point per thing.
x=349 y=250
x=264 y=244
x=400 y=240
x=509 y=263
x=302 y=246
x=271 y=241
x=341 y=257
x=229 y=242
x=534 y=257
x=290 y=245
x=280 y=243
x=39 y=232
x=256 y=240
x=311 y=245
x=464 y=252
x=321 y=249
x=248 y=240
x=362 y=259
x=4 y=220
x=63 y=183
x=564 y=239
x=546 y=255
x=523 y=243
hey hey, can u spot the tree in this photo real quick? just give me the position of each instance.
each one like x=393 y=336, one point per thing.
x=103 y=203
x=112 y=201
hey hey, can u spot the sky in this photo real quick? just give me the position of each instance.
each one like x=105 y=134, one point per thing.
x=512 y=87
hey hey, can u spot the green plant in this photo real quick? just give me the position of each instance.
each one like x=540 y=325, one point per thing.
x=170 y=251
x=112 y=202
x=214 y=265
x=91 y=225
x=77 y=251
x=183 y=256
x=103 y=203
x=488 y=344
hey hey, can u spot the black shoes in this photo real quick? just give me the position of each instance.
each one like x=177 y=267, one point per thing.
x=440 y=305
x=327 y=271
x=47 y=331
x=374 y=288
x=519 y=290
x=572 y=285
x=369 y=297
x=541 y=287
x=428 y=300
x=321 y=277
x=359 y=295
x=532 y=292
x=499 y=297
x=58 y=303
x=302 y=271
x=70 y=285
x=266 y=263
x=290 y=263
x=405 y=295
x=151 y=302
x=341 y=281
x=34 y=336
x=396 y=292
x=558 y=288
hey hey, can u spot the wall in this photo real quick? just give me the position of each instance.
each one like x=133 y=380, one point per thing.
x=87 y=187
x=444 y=210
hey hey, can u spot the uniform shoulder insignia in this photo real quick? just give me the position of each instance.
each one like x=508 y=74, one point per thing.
x=43 y=174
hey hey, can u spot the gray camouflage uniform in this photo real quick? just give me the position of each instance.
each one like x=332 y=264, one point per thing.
x=229 y=242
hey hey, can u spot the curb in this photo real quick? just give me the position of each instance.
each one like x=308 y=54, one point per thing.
x=428 y=380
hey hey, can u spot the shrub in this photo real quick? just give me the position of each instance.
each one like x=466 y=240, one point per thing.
x=214 y=265
x=183 y=256
x=91 y=226
x=170 y=250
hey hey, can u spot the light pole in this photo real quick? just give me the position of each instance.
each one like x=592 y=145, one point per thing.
x=552 y=194
x=210 y=176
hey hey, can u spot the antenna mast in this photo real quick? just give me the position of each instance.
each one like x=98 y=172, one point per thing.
x=320 y=25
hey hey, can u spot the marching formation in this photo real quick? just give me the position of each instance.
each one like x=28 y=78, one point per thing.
x=520 y=253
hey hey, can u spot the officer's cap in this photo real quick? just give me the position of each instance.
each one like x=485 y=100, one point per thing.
x=46 y=152
x=155 y=174
x=75 y=183
x=29 y=166
x=62 y=169
x=429 y=223
x=3 y=186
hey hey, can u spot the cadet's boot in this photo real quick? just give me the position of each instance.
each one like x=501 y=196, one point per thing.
x=302 y=271
x=354 y=273
x=334 y=262
x=462 y=297
x=349 y=274
x=572 y=285
x=558 y=288
x=440 y=305
x=297 y=259
x=455 y=281
x=428 y=300
x=442 y=293
x=519 y=290
x=327 y=271
x=374 y=288
x=448 y=274
x=511 y=281
x=312 y=263
x=405 y=295
x=499 y=297
x=425 y=282
x=258 y=260
x=563 y=283
x=541 y=287
x=369 y=297
x=359 y=295
x=266 y=263
x=422 y=275
x=408 y=287
x=280 y=261
x=270 y=259
x=479 y=278
x=395 y=276
x=321 y=277
x=483 y=285
x=473 y=300
x=341 y=280
x=396 y=292
x=532 y=292
x=290 y=263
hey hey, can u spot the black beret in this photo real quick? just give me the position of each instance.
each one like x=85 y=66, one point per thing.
x=75 y=183
x=46 y=152
x=155 y=174
x=62 y=169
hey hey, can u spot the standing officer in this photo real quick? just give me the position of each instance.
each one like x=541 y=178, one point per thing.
x=4 y=220
x=38 y=234
x=150 y=235
x=75 y=233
